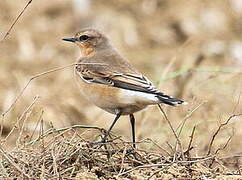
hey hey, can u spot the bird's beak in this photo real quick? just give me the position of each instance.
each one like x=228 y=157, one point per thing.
x=70 y=39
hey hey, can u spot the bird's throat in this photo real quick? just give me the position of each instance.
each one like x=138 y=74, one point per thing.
x=87 y=51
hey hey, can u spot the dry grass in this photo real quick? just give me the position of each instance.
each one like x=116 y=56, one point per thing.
x=188 y=49
x=65 y=154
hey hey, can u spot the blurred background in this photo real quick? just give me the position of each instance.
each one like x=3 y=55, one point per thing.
x=189 y=49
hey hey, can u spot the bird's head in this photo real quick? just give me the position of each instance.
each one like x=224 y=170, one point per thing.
x=89 y=41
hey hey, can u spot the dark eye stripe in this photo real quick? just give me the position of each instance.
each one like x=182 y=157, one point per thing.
x=83 y=38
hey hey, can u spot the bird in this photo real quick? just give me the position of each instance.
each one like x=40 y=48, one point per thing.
x=109 y=81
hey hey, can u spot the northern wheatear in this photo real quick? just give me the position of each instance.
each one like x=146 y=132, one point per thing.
x=113 y=85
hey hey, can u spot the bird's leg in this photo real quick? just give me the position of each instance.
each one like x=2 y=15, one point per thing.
x=132 y=122
x=110 y=128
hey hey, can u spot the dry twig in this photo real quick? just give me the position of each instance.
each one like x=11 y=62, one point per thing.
x=53 y=130
x=218 y=130
x=190 y=142
x=16 y=20
x=182 y=124
x=225 y=145
x=173 y=131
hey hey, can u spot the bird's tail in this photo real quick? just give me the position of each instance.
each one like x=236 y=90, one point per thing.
x=169 y=100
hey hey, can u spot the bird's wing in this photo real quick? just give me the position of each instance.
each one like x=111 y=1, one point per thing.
x=129 y=81
x=104 y=75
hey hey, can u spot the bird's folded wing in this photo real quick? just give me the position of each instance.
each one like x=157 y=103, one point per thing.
x=135 y=82
x=125 y=80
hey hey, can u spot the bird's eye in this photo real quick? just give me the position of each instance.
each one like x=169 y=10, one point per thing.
x=83 y=38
